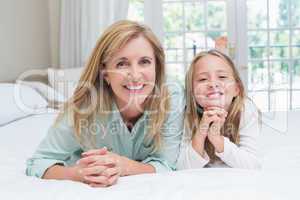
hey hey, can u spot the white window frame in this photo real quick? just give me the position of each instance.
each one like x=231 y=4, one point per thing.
x=237 y=32
x=228 y=29
x=290 y=59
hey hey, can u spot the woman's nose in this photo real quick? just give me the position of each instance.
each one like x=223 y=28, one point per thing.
x=134 y=73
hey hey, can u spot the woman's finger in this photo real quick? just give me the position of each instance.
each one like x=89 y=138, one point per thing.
x=97 y=160
x=95 y=185
x=114 y=179
x=101 y=151
x=97 y=179
x=111 y=171
x=96 y=170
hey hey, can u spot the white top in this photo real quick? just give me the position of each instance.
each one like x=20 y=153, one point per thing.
x=244 y=155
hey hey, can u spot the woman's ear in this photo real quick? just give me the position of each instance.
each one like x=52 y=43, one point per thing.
x=104 y=74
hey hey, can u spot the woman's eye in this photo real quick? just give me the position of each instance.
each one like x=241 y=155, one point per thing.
x=145 y=62
x=202 y=79
x=122 y=64
x=222 y=77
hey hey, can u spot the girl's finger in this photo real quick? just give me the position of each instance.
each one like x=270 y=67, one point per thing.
x=210 y=112
x=218 y=110
x=213 y=108
x=223 y=113
x=213 y=118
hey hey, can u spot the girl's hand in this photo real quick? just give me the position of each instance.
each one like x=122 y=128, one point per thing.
x=209 y=116
x=199 y=138
x=214 y=133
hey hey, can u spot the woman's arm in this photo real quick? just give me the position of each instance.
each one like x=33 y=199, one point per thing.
x=166 y=158
x=125 y=165
x=133 y=167
x=60 y=172
x=55 y=149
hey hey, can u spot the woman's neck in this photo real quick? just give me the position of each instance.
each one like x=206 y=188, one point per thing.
x=130 y=113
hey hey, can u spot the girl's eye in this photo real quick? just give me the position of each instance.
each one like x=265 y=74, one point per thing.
x=145 y=62
x=202 y=79
x=222 y=77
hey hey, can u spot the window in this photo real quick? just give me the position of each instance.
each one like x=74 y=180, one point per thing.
x=190 y=27
x=274 y=53
x=136 y=10
x=264 y=40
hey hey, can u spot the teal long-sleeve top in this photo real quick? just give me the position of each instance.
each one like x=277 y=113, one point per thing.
x=61 y=147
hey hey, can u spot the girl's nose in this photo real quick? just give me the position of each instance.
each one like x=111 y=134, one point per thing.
x=213 y=84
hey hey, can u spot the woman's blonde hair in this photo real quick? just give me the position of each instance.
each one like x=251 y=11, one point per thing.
x=112 y=40
x=193 y=117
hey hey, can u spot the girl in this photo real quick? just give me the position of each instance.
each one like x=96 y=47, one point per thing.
x=121 y=119
x=221 y=124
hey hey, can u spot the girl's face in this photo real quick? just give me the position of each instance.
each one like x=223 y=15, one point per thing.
x=213 y=83
x=131 y=72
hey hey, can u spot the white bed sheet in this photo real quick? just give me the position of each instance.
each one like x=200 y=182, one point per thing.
x=279 y=179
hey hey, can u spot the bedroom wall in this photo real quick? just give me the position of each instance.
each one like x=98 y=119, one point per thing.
x=29 y=33
x=54 y=13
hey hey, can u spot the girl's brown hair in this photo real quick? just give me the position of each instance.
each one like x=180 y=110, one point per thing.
x=231 y=126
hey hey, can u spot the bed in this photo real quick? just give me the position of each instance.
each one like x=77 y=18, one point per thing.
x=19 y=139
x=279 y=178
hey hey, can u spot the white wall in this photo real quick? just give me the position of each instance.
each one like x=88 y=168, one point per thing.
x=26 y=41
x=54 y=13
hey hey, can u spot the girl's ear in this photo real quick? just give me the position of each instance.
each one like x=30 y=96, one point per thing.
x=236 y=90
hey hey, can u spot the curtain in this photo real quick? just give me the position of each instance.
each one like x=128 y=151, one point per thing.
x=153 y=16
x=82 y=22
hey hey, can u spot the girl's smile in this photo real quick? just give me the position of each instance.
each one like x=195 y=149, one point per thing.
x=213 y=83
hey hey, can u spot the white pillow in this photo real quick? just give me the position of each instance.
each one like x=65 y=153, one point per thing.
x=46 y=91
x=64 y=80
x=18 y=101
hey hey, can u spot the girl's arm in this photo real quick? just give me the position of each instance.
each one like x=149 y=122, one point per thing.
x=192 y=153
x=189 y=157
x=198 y=142
x=246 y=154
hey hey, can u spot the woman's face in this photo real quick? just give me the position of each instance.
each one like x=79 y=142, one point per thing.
x=131 y=73
x=213 y=83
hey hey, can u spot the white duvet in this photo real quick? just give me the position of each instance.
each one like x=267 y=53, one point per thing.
x=279 y=178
